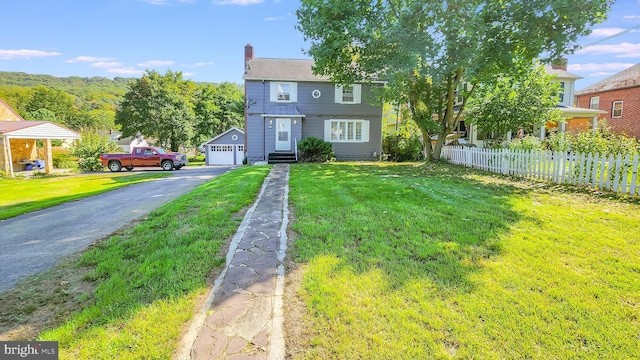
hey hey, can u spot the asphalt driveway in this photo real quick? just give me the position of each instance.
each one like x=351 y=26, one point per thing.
x=33 y=242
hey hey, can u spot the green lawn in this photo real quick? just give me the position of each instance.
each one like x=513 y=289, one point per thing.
x=20 y=196
x=148 y=278
x=438 y=262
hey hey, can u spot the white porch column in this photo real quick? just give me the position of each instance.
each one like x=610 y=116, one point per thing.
x=48 y=157
x=594 y=123
x=563 y=126
x=542 y=132
x=6 y=160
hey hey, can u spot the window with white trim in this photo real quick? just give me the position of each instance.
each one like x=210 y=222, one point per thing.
x=221 y=148
x=348 y=94
x=284 y=92
x=616 y=109
x=561 y=93
x=594 y=103
x=348 y=131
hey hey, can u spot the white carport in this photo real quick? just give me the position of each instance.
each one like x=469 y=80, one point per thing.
x=18 y=141
x=226 y=148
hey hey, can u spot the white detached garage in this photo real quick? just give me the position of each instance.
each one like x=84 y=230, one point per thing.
x=226 y=148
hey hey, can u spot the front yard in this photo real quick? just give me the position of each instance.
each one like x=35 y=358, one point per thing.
x=417 y=262
x=387 y=261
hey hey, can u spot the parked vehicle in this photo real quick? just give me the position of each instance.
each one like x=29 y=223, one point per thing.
x=147 y=156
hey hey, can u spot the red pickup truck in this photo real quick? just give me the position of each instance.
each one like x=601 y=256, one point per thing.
x=144 y=157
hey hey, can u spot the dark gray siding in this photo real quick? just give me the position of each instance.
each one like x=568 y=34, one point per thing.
x=316 y=112
x=228 y=139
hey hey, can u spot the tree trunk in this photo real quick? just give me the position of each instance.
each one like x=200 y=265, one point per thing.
x=427 y=150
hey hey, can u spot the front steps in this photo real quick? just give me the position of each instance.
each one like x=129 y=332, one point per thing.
x=282 y=158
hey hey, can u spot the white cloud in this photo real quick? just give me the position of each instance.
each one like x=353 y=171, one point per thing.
x=188 y=74
x=126 y=71
x=237 y=2
x=106 y=65
x=154 y=63
x=623 y=50
x=632 y=17
x=25 y=54
x=604 y=32
x=606 y=68
x=200 y=64
x=275 y=18
x=88 y=59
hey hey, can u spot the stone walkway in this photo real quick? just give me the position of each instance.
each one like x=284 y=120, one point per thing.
x=243 y=316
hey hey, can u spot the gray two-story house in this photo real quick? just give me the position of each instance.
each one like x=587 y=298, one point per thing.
x=285 y=103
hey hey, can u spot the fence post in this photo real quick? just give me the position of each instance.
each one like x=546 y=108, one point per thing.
x=503 y=156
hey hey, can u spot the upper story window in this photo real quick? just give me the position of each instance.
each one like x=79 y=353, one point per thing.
x=594 y=103
x=561 y=94
x=348 y=94
x=284 y=92
x=616 y=109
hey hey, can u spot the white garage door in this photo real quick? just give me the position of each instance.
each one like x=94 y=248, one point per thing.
x=220 y=155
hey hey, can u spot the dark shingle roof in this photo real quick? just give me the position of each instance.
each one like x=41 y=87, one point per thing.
x=281 y=69
x=626 y=78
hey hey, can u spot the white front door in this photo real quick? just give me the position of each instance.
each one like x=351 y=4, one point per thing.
x=283 y=134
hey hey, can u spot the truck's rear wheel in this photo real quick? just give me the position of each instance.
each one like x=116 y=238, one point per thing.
x=115 y=166
x=167 y=165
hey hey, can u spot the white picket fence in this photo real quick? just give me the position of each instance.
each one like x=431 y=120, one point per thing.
x=612 y=173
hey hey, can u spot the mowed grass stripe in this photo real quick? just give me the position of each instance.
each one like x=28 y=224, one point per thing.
x=436 y=261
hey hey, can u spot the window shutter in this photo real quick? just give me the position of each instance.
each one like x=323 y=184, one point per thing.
x=357 y=91
x=327 y=130
x=294 y=92
x=338 y=94
x=273 y=89
x=365 y=131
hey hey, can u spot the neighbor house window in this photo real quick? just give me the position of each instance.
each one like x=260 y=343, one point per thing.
x=346 y=130
x=616 y=109
x=284 y=92
x=594 y=103
x=561 y=94
x=348 y=94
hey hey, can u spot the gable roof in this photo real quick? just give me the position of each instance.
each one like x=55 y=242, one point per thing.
x=221 y=135
x=624 y=79
x=36 y=130
x=8 y=108
x=560 y=73
x=281 y=69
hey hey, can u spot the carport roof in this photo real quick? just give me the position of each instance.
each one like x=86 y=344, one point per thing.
x=33 y=129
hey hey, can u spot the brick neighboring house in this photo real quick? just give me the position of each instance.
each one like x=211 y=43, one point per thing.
x=619 y=95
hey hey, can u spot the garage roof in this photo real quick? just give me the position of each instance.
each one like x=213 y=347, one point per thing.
x=36 y=130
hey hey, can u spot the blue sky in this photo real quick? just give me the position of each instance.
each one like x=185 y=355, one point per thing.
x=205 y=38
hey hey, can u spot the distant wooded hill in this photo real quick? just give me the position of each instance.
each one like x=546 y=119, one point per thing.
x=75 y=85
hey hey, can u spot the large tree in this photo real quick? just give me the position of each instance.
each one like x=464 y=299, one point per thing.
x=217 y=109
x=525 y=98
x=159 y=107
x=426 y=49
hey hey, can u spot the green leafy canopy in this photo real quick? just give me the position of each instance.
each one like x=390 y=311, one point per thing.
x=425 y=49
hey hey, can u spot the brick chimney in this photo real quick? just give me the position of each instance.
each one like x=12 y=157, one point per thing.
x=560 y=64
x=248 y=55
